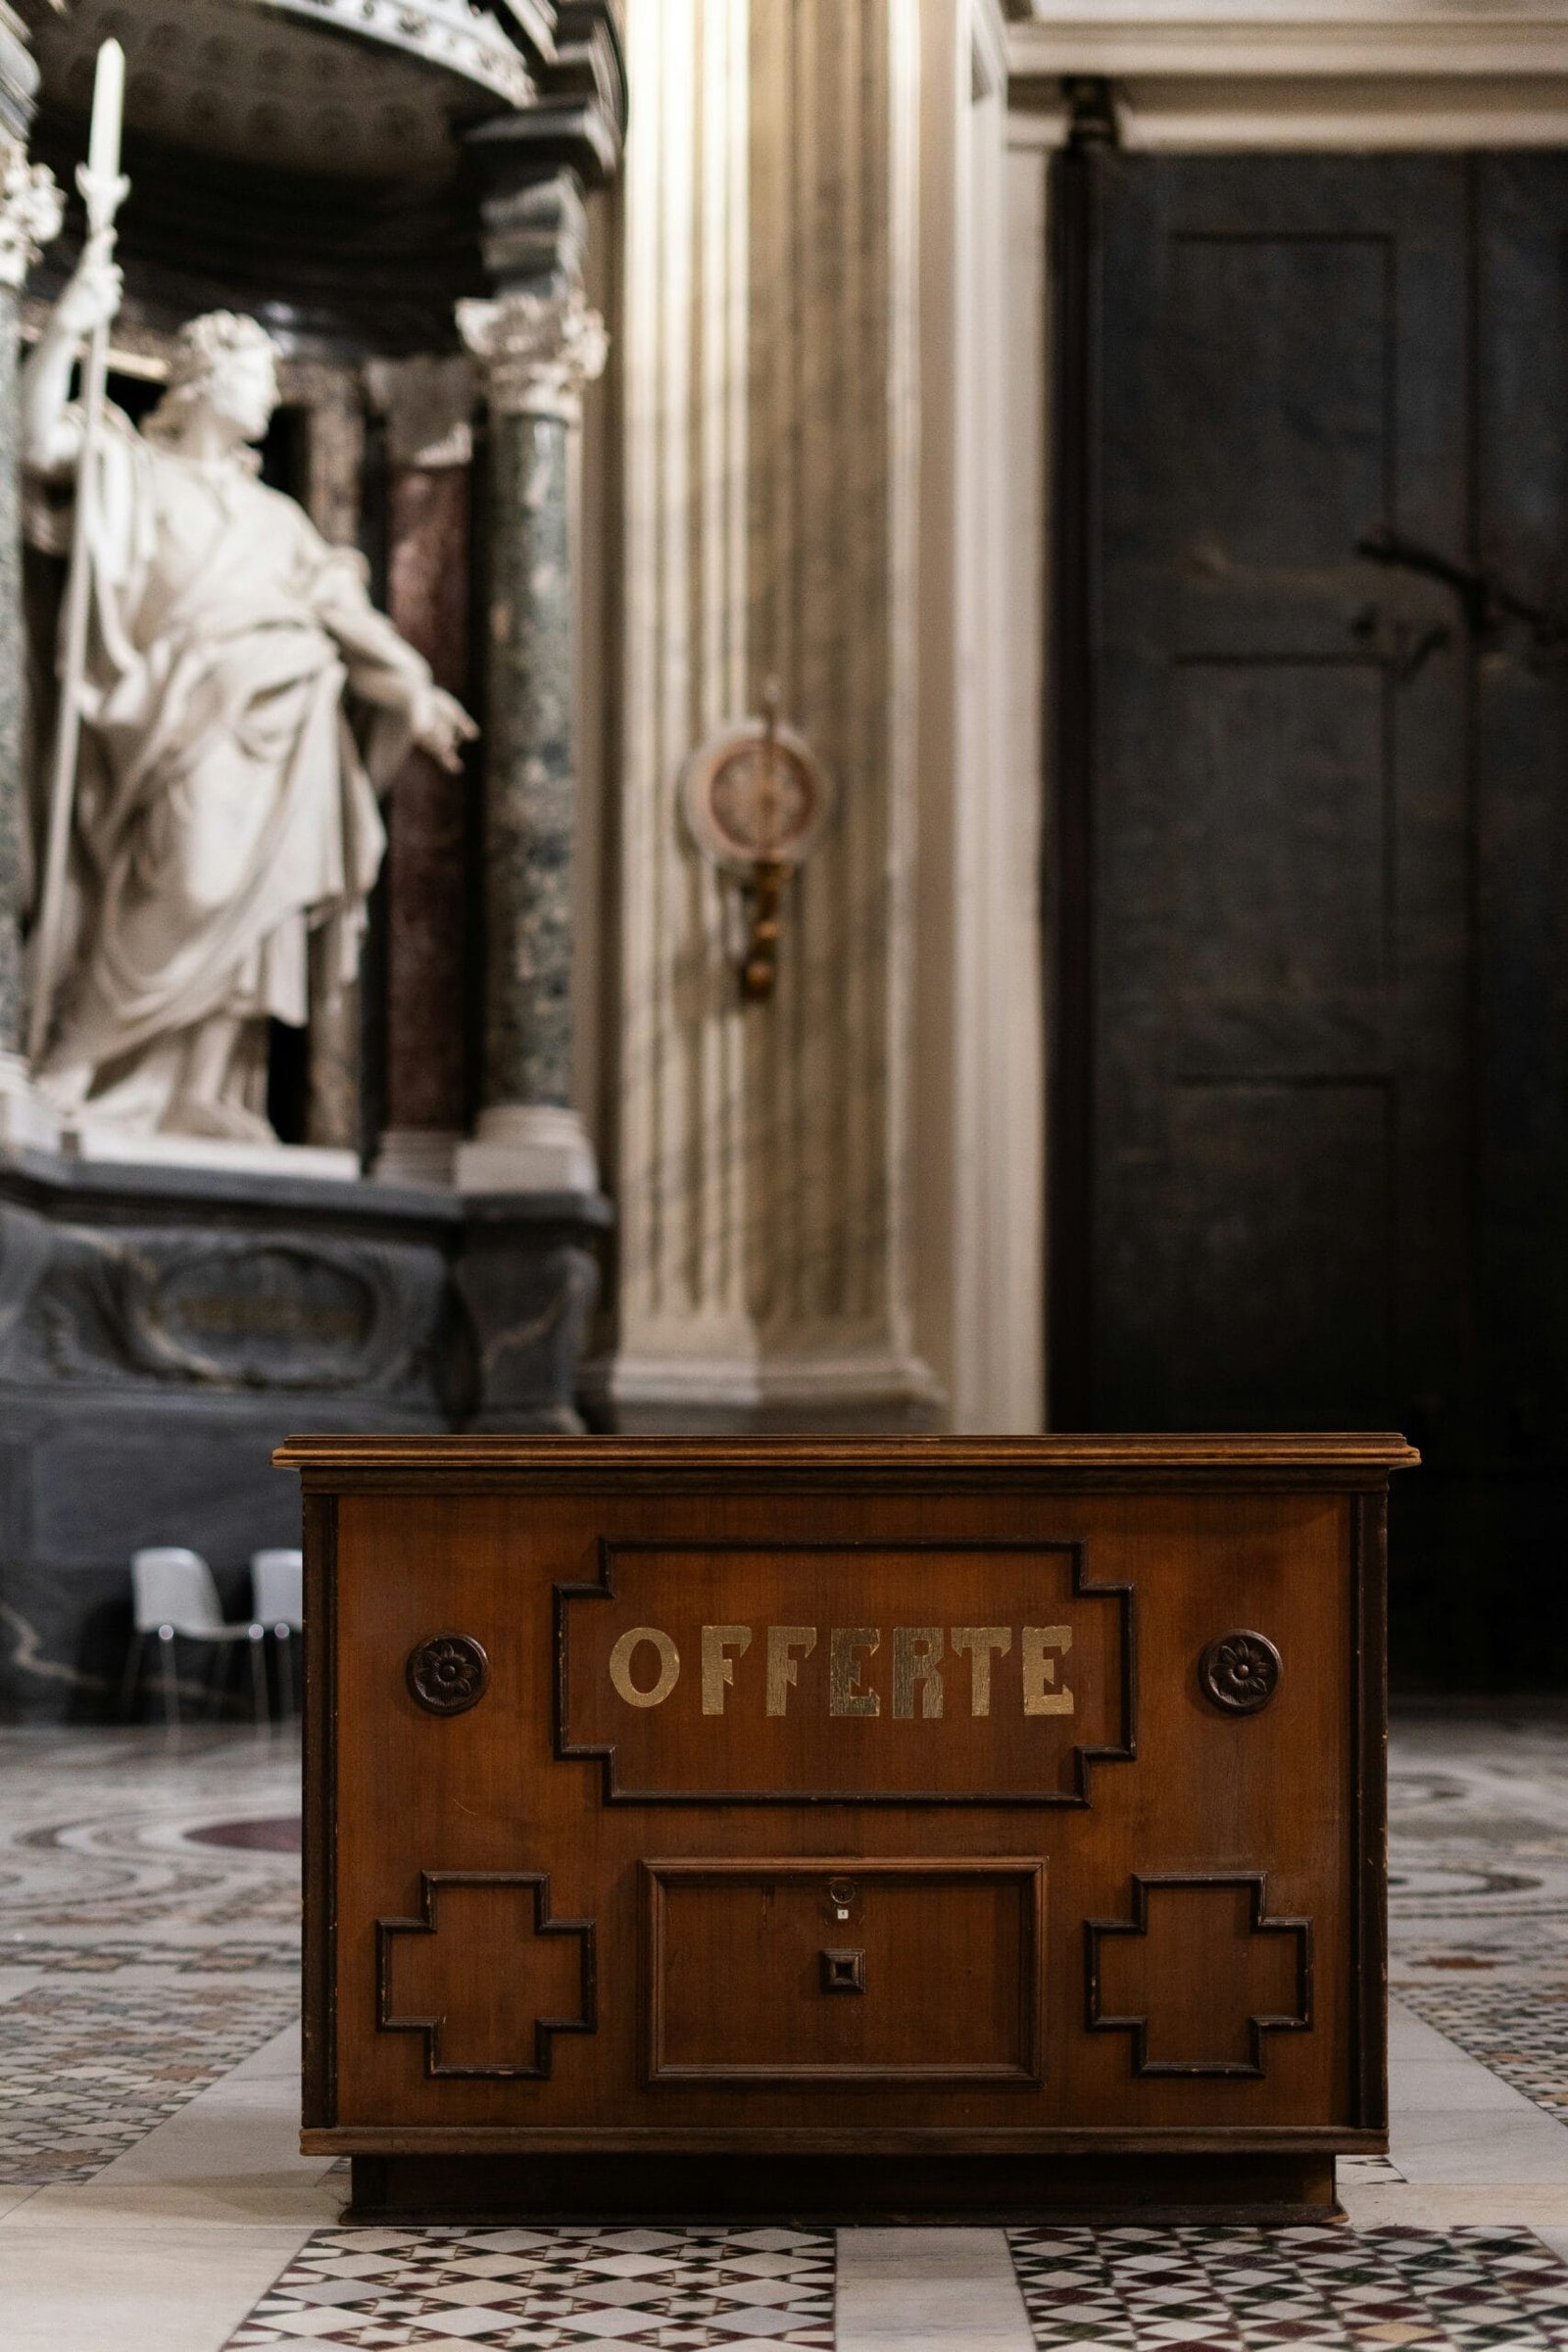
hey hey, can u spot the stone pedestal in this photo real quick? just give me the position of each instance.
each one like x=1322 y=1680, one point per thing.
x=162 y=1329
x=529 y=1280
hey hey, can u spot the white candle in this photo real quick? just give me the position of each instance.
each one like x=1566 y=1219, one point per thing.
x=108 y=112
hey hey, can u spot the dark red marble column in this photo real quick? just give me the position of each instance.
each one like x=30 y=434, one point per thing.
x=427 y=597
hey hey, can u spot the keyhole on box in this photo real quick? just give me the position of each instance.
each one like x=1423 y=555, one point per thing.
x=843 y=1972
x=841 y=1895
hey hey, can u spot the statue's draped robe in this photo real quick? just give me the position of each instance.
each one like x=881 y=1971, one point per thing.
x=226 y=806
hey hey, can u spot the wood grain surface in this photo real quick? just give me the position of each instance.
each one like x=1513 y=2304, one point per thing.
x=850 y=1884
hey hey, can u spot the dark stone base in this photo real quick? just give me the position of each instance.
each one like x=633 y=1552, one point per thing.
x=825 y=2189
x=162 y=1330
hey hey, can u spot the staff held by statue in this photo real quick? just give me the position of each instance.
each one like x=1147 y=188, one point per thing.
x=103 y=190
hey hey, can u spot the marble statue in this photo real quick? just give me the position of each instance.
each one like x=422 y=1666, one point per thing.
x=243 y=703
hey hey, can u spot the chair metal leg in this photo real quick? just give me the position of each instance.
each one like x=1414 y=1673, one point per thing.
x=131 y=1678
x=285 y=1673
x=170 y=1678
x=258 y=1650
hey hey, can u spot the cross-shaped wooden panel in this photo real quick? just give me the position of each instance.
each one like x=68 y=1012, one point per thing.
x=1199 y=1975
x=486 y=1973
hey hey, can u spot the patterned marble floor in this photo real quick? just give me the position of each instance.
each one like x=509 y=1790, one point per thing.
x=152 y=2196
x=1479 y=1891
x=540 y=2289
x=138 y=1961
x=1322 y=2286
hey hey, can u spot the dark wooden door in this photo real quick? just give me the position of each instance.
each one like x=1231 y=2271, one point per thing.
x=1312 y=1038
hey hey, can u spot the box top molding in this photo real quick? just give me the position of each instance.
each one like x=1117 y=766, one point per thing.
x=1336 y=1459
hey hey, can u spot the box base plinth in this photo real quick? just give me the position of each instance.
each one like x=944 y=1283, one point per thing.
x=831 y=2190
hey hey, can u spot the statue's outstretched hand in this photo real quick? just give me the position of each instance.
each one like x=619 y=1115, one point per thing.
x=91 y=298
x=442 y=727
x=51 y=445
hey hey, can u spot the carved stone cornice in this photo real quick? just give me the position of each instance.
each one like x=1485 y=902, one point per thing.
x=1238 y=75
x=538 y=350
x=436 y=121
x=458 y=36
x=1266 y=39
x=33 y=212
x=536 y=234
x=577 y=120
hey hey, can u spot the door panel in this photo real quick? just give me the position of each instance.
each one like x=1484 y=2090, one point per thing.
x=1312 y=1012
x=1521 y=880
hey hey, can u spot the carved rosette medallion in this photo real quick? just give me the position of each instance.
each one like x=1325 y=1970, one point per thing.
x=1240 y=1673
x=449 y=1674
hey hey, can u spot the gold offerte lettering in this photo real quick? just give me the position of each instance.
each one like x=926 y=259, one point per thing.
x=719 y=1667
x=620 y=1658
x=981 y=1643
x=916 y=1660
x=845 y=1695
x=918 y=1654
x=787 y=1645
x=1042 y=1692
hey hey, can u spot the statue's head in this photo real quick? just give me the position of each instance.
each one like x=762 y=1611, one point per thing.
x=227 y=364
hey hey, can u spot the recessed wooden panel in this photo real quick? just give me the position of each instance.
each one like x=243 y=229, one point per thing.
x=1278 y=390
x=1287 y=912
x=846 y=1971
x=911 y=1673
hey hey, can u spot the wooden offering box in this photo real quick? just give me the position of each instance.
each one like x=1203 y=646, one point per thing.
x=838 y=1828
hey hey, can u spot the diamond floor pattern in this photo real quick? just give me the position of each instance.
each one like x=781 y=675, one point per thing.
x=532 y=2290
x=1240 y=2291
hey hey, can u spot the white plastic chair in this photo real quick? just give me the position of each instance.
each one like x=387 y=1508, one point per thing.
x=175 y=1598
x=278 y=1598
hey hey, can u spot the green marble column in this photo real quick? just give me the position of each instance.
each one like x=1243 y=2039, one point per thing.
x=31 y=216
x=538 y=350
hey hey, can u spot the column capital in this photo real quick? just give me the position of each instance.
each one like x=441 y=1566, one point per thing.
x=538 y=350
x=31 y=211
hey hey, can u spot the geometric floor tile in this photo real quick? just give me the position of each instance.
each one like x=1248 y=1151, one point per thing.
x=533 y=2291
x=1238 y=2290
x=1515 y=2024
x=90 y=2068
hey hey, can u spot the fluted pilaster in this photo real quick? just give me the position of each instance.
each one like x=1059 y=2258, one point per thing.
x=771 y=491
